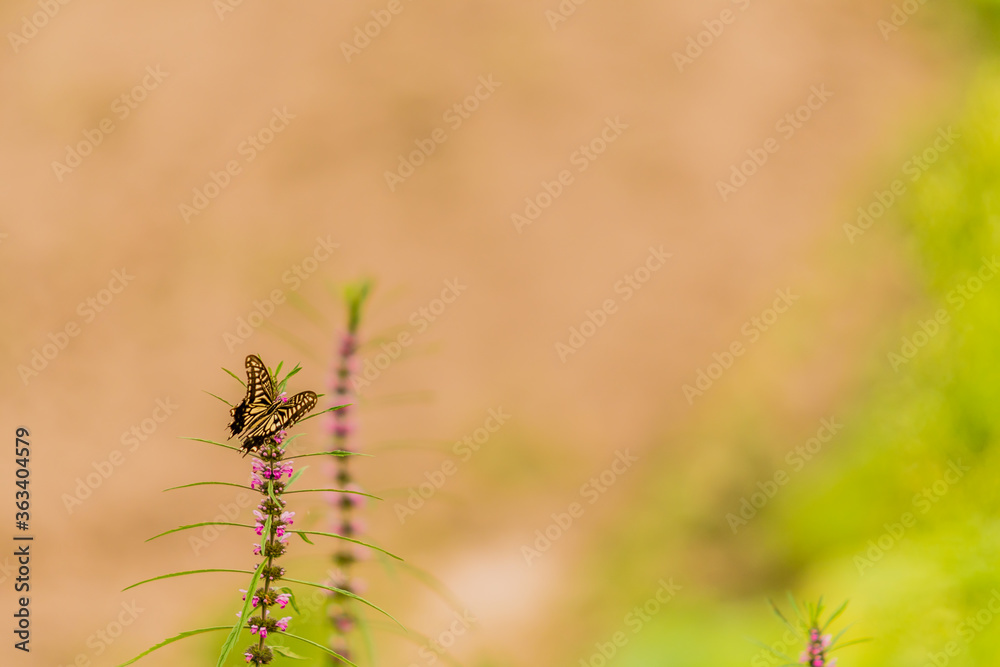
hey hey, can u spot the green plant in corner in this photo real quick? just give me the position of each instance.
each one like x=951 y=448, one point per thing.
x=261 y=421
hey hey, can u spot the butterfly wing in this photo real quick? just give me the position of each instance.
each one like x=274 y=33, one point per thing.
x=278 y=417
x=259 y=398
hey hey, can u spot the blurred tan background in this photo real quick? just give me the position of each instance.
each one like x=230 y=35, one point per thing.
x=323 y=176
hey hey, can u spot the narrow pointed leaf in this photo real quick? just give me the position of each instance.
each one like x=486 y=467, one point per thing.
x=218 y=397
x=347 y=594
x=171 y=640
x=295 y=476
x=853 y=642
x=348 y=539
x=213 y=442
x=835 y=614
x=317 y=414
x=186 y=486
x=186 y=572
x=335 y=452
x=238 y=379
x=319 y=646
x=287 y=652
x=353 y=493
x=199 y=525
x=230 y=642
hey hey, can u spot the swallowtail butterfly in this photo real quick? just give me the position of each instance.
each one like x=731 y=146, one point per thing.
x=262 y=414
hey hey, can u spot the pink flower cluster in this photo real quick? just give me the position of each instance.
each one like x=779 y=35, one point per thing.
x=815 y=655
x=262 y=471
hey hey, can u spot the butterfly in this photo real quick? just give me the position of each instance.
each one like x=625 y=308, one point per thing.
x=262 y=414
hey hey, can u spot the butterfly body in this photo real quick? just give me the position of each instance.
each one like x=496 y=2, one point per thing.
x=262 y=414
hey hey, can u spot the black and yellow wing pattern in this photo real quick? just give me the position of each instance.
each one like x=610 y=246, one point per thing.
x=261 y=414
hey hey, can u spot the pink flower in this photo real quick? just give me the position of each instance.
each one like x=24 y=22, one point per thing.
x=283 y=599
x=283 y=623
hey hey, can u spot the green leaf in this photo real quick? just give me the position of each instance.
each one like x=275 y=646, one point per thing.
x=235 y=376
x=346 y=594
x=355 y=493
x=348 y=539
x=335 y=452
x=213 y=442
x=218 y=397
x=791 y=598
x=305 y=539
x=835 y=614
x=287 y=652
x=230 y=642
x=320 y=646
x=183 y=635
x=317 y=414
x=784 y=620
x=180 y=574
x=852 y=642
x=298 y=473
x=185 y=486
x=270 y=492
x=199 y=525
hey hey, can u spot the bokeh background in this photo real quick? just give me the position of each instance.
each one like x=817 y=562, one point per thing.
x=890 y=336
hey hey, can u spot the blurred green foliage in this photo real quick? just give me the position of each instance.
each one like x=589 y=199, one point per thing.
x=901 y=512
